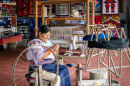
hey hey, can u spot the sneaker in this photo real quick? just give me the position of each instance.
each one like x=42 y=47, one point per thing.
x=66 y=54
x=82 y=55
x=69 y=54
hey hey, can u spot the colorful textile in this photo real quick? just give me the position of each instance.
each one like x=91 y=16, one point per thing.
x=35 y=53
x=45 y=61
x=110 y=7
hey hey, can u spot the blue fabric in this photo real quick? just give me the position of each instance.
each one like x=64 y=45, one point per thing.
x=69 y=65
x=52 y=67
x=63 y=72
x=100 y=36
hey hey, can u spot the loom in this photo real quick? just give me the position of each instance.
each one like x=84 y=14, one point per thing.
x=61 y=35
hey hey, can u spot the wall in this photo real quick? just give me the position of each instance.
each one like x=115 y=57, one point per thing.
x=126 y=4
x=124 y=15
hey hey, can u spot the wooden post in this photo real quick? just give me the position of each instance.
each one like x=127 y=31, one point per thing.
x=40 y=82
x=93 y=13
x=120 y=62
x=109 y=66
x=50 y=11
x=60 y=61
x=87 y=59
x=45 y=22
x=43 y=11
x=16 y=25
x=36 y=81
x=98 y=59
x=109 y=63
x=36 y=18
x=79 y=75
x=87 y=19
x=123 y=31
x=49 y=16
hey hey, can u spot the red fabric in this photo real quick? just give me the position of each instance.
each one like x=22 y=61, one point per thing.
x=22 y=8
x=11 y=39
x=112 y=10
x=5 y=8
x=112 y=5
x=98 y=19
x=19 y=7
x=109 y=1
x=1 y=42
x=31 y=79
x=32 y=8
x=107 y=5
x=113 y=22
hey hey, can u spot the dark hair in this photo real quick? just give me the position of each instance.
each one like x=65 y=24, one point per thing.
x=43 y=29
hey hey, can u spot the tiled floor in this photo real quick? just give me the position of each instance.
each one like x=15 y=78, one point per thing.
x=7 y=58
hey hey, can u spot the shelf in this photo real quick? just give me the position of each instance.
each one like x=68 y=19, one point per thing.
x=12 y=3
x=69 y=18
x=50 y=2
x=34 y=16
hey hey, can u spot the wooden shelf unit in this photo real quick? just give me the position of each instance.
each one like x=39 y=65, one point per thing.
x=50 y=2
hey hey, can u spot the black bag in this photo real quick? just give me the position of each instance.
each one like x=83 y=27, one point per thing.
x=113 y=44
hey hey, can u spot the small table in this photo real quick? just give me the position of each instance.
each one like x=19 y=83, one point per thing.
x=10 y=39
